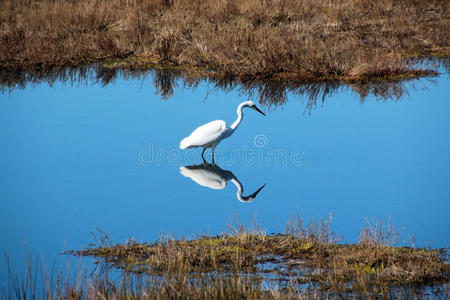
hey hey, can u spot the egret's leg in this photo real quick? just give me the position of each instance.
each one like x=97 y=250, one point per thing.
x=213 y=155
x=203 y=152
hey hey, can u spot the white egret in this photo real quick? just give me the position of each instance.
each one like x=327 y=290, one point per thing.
x=216 y=178
x=212 y=133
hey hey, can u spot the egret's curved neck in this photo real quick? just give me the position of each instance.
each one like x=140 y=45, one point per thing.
x=239 y=118
x=240 y=189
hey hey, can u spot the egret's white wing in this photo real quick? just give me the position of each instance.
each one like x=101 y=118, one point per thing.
x=205 y=134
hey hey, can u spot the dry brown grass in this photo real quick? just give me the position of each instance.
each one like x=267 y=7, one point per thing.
x=303 y=255
x=41 y=283
x=244 y=263
x=300 y=40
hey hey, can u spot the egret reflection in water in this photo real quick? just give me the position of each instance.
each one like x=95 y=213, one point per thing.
x=212 y=176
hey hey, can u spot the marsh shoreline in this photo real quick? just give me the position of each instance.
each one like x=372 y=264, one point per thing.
x=305 y=258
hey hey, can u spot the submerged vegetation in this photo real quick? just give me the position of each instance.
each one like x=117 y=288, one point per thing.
x=304 y=261
x=246 y=263
x=351 y=40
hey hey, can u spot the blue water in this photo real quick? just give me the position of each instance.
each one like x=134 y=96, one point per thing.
x=77 y=158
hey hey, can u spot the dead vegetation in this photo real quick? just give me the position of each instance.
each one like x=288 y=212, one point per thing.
x=305 y=262
x=301 y=256
x=283 y=40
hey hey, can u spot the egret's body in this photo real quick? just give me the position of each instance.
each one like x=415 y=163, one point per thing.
x=213 y=177
x=211 y=134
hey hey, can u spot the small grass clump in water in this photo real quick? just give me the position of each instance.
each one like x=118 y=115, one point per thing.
x=300 y=256
x=351 y=40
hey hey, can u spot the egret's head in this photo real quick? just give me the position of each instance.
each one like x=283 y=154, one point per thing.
x=252 y=105
x=250 y=197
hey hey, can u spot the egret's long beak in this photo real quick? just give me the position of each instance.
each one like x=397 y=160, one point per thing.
x=252 y=196
x=258 y=110
x=256 y=193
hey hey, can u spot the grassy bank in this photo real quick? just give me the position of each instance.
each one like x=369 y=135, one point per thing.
x=305 y=260
x=351 y=40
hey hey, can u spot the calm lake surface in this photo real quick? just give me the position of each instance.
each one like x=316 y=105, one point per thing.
x=76 y=157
